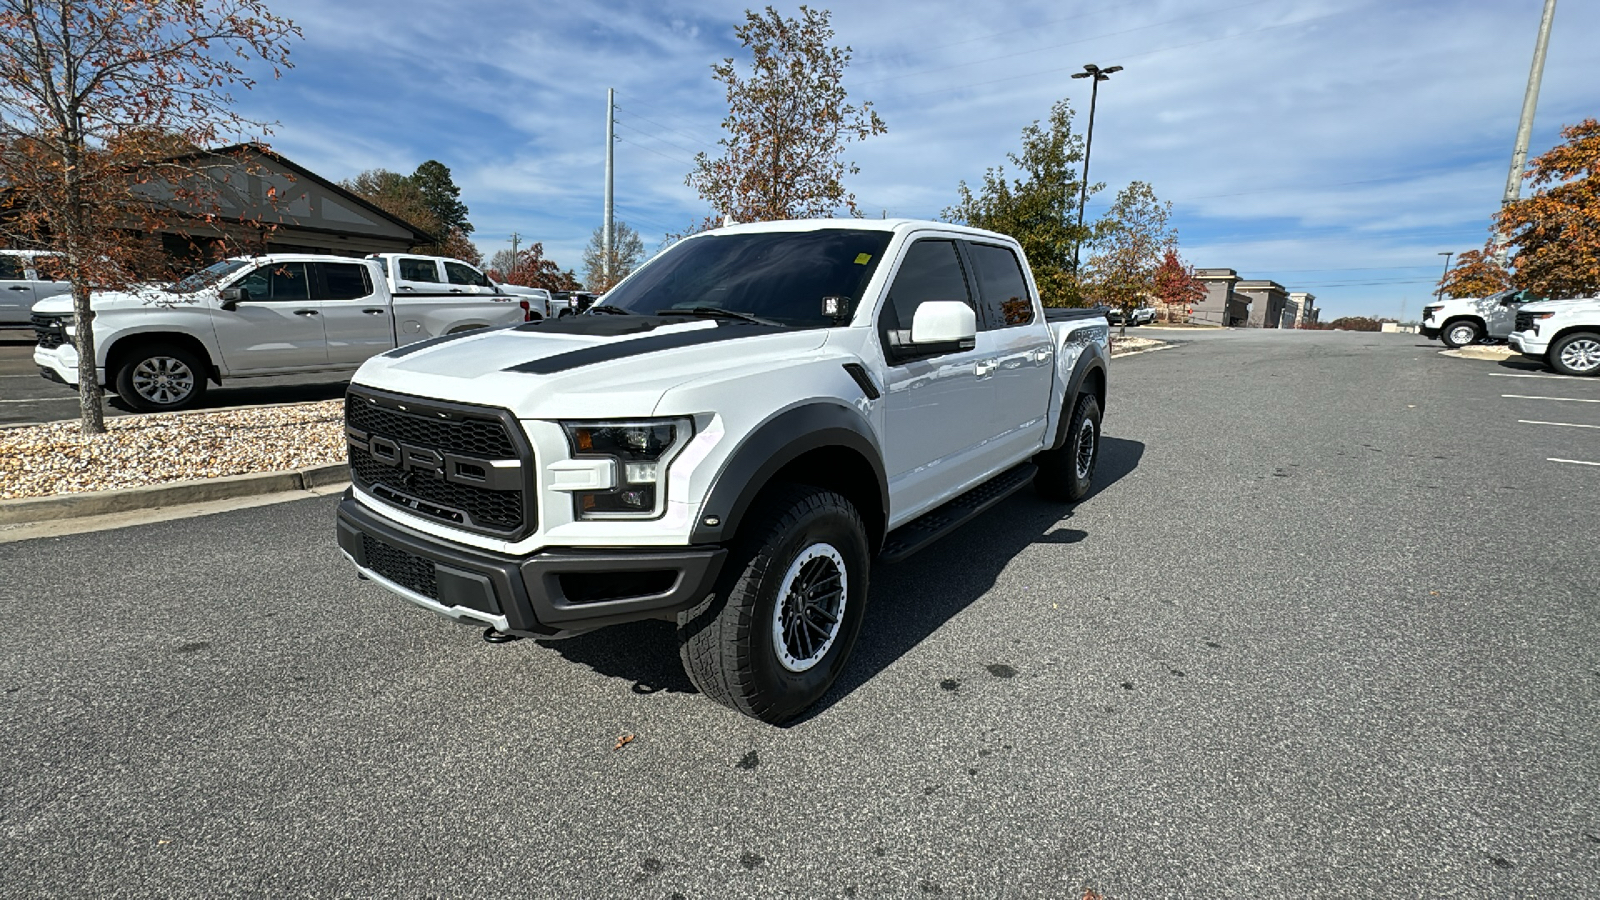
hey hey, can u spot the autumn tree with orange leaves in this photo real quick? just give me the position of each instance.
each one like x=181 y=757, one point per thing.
x=1175 y=286
x=1555 y=232
x=1477 y=273
x=788 y=122
x=102 y=103
x=529 y=267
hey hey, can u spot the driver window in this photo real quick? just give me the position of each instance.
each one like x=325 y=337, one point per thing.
x=931 y=271
x=277 y=282
x=418 y=270
x=11 y=268
x=460 y=274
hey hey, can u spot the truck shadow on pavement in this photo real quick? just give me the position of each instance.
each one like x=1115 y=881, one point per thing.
x=908 y=602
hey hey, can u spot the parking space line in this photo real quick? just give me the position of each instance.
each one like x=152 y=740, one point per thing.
x=1563 y=424
x=1522 y=375
x=1531 y=397
x=1575 y=462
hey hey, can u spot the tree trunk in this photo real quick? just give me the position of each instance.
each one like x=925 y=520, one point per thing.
x=90 y=406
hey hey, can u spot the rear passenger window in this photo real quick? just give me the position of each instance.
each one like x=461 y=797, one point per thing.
x=460 y=274
x=1004 y=289
x=419 y=270
x=277 y=282
x=50 y=268
x=931 y=271
x=11 y=269
x=345 y=281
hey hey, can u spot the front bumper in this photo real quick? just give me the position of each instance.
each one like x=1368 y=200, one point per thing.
x=60 y=364
x=552 y=593
x=1429 y=332
x=1527 y=345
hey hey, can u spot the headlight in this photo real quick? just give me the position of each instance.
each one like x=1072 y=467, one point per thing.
x=643 y=451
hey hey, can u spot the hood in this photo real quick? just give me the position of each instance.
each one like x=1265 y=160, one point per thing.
x=582 y=366
x=140 y=297
x=1559 y=305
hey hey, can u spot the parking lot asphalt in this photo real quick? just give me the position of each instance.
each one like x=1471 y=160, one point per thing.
x=27 y=399
x=1326 y=628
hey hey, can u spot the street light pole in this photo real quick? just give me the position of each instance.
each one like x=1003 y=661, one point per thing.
x=1446 y=254
x=1097 y=75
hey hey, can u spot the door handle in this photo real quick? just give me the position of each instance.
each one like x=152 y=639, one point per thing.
x=1042 y=355
x=305 y=312
x=18 y=287
x=455 y=290
x=985 y=367
x=373 y=312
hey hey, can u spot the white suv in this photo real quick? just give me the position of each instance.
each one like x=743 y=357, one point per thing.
x=27 y=276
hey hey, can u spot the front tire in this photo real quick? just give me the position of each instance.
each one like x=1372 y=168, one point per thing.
x=1067 y=472
x=787 y=608
x=161 y=378
x=1461 y=333
x=1576 y=354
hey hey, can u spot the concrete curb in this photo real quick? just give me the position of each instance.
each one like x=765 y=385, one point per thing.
x=1145 y=350
x=228 y=487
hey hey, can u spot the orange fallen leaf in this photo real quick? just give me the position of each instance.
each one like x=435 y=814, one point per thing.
x=623 y=741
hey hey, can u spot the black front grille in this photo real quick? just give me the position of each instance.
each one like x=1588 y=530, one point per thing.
x=1524 y=321
x=422 y=455
x=410 y=572
x=468 y=437
x=48 y=330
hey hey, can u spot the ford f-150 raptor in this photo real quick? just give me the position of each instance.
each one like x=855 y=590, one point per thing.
x=728 y=440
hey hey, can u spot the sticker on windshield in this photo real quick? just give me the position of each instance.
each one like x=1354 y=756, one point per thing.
x=863 y=258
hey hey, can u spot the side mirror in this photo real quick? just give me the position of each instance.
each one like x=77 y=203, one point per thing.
x=232 y=297
x=939 y=322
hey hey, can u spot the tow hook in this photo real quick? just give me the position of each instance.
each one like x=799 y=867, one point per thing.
x=493 y=635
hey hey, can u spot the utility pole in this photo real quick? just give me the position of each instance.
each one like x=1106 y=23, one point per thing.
x=1530 y=101
x=514 y=239
x=1096 y=75
x=605 y=226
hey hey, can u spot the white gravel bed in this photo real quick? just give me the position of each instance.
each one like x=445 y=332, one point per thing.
x=1125 y=345
x=41 y=460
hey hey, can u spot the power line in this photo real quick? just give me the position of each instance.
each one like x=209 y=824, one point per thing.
x=655 y=151
x=654 y=137
x=667 y=127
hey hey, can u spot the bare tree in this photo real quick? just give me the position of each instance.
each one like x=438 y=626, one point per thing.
x=102 y=107
x=627 y=251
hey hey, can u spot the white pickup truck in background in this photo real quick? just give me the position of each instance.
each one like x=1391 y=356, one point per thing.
x=26 y=277
x=1564 y=334
x=281 y=314
x=1460 y=321
x=413 y=275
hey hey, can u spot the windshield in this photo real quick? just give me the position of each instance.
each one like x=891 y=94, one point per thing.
x=781 y=276
x=208 y=276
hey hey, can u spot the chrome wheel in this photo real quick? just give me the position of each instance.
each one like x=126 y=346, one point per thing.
x=1462 y=335
x=1581 y=355
x=163 y=380
x=1084 y=458
x=810 y=607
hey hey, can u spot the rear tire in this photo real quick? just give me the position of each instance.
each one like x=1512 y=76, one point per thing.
x=1461 y=333
x=787 y=608
x=1067 y=473
x=1576 y=354
x=161 y=378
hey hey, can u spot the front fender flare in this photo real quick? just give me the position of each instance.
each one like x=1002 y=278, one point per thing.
x=774 y=444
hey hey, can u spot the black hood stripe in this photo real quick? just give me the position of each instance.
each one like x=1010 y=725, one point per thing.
x=614 y=350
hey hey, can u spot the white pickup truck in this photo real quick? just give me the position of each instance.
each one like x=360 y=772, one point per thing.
x=1565 y=334
x=413 y=275
x=1461 y=321
x=245 y=317
x=727 y=441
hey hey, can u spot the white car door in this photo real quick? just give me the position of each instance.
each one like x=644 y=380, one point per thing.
x=276 y=328
x=16 y=290
x=936 y=407
x=355 y=317
x=1019 y=356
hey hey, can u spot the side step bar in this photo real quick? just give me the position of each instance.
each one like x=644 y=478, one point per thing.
x=940 y=521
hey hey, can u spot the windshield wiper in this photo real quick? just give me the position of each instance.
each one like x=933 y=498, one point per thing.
x=607 y=310
x=717 y=311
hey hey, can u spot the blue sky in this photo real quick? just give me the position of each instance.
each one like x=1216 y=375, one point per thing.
x=1335 y=146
